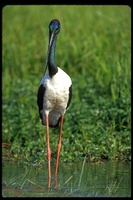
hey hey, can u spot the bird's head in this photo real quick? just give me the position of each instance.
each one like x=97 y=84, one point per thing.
x=54 y=29
x=54 y=26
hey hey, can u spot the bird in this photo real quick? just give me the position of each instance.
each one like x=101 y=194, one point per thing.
x=54 y=95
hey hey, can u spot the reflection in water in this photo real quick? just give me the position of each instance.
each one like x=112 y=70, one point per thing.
x=109 y=179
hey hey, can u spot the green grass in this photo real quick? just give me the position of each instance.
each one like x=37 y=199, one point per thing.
x=94 y=48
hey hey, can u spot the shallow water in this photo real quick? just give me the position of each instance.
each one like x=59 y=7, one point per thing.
x=108 y=179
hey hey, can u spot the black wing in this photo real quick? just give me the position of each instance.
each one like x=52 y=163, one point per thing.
x=40 y=96
x=70 y=96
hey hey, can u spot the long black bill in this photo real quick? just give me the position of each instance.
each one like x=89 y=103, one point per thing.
x=49 y=47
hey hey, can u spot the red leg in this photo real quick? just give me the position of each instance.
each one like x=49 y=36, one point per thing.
x=48 y=151
x=59 y=145
x=56 y=182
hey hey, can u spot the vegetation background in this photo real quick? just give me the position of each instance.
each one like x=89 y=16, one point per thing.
x=94 y=48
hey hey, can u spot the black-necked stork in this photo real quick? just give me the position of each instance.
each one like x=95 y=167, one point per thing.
x=54 y=94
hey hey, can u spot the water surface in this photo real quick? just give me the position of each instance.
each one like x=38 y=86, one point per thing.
x=107 y=179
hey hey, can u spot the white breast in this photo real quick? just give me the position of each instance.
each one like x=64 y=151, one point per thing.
x=56 y=95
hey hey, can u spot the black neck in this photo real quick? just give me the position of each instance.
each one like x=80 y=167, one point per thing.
x=52 y=67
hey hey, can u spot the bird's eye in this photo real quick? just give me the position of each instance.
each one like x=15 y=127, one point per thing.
x=57 y=28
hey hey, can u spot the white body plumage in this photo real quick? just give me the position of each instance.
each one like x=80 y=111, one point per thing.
x=56 y=96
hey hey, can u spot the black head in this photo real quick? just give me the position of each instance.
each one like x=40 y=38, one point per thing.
x=54 y=26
